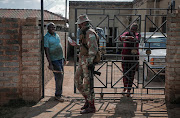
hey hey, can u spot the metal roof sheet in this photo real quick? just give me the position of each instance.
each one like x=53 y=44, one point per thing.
x=24 y=13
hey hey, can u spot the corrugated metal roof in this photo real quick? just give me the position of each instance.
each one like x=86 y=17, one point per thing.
x=24 y=13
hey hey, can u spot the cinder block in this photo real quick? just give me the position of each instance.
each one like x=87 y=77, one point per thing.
x=5 y=58
x=35 y=68
x=5 y=36
x=24 y=85
x=10 y=85
x=4 y=89
x=14 y=47
x=12 y=41
x=5 y=69
x=31 y=54
x=5 y=25
x=1 y=42
x=27 y=37
x=1 y=52
x=27 y=89
x=11 y=19
x=28 y=98
x=31 y=58
x=1 y=84
x=1 y=74
x=7 y=74
x=15 y=79
x=31 y=19
x=13 y=95
x=31 y=63
x=15 y=36
x=30 y=46
x=1 y=30
x=12 y=53
x=14 y=58
x=11 y=31
x=15 y=25
x=15 y=69
x=177 y=70
x=31 y=72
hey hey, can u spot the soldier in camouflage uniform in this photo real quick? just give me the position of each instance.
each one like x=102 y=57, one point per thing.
x=88 y=49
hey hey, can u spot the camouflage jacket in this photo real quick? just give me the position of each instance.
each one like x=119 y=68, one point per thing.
x=88 y=46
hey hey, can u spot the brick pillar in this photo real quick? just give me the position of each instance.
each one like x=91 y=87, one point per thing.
x=172 y=84
x=31 y=60
x=20 y=60
x=9 y=59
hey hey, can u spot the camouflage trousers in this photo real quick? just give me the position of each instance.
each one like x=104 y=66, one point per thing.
x=82 y=82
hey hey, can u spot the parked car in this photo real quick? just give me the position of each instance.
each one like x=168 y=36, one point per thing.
x=152 y=54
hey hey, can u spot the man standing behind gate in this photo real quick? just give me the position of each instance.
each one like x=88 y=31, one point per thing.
x=88 y=50
x=54 y=54
x=130 y=56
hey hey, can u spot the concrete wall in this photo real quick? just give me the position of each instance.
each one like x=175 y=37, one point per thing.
x=101 y=14
x=150 y=4
x=97 y=12
x=172 y=84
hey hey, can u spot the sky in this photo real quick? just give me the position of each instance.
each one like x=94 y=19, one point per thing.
x=55 y=6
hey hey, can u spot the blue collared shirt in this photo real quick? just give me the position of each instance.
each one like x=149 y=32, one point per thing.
x=54 y=45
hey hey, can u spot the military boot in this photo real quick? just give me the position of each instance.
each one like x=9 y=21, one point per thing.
x=90 y=109
x=86 y=105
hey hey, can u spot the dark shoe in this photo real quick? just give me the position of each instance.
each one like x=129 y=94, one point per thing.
x=59 y=98
x=128 y=94
x=86 y=105
x=88 y=110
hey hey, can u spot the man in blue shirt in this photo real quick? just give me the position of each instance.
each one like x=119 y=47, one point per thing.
x=54 y=53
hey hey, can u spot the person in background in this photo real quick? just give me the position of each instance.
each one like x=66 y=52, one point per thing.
x=130 y=39
x=54 y=53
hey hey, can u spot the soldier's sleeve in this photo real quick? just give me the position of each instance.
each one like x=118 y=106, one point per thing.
x=92 y=46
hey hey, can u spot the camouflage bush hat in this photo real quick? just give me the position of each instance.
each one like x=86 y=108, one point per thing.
x=82 y=18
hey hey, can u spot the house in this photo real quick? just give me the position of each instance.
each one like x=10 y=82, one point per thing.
x=116 y=17
x=24 y=13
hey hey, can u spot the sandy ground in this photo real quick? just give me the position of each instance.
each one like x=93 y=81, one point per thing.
x=111 y=106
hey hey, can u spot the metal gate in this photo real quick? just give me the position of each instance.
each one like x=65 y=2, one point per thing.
x=148 y=78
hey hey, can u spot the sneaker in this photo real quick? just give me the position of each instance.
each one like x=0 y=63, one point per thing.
x=59 y=98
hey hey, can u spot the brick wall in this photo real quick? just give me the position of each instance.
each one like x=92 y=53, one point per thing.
x=10 y=47
x=31 y=61
x=173 y=58
x=20 y=59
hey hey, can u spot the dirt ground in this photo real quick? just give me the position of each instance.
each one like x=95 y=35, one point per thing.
x=111 y=106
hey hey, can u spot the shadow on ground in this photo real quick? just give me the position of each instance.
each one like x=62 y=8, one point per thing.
x=107 y=108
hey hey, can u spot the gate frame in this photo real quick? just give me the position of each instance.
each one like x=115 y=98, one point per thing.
x=135 y=14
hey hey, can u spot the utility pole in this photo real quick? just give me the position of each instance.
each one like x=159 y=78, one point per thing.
x=42 y=45
x=64 y=28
